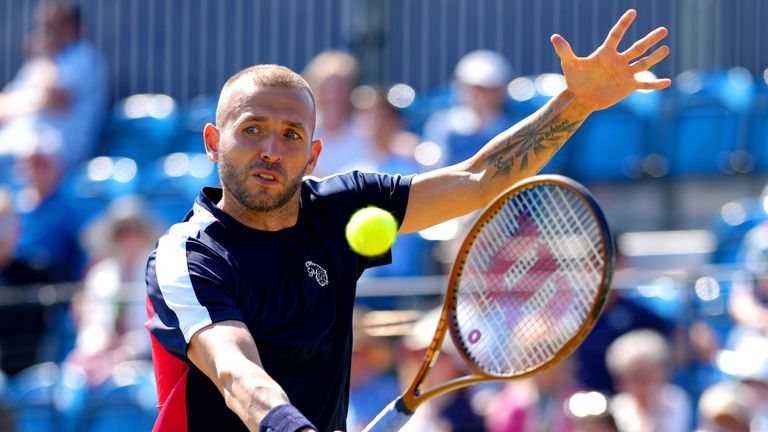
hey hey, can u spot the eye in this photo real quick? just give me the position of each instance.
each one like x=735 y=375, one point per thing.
x=292 y=135
x=253 y=130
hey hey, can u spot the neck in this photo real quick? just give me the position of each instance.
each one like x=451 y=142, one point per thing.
x=272 y=220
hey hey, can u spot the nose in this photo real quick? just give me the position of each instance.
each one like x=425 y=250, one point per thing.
x=271 y=150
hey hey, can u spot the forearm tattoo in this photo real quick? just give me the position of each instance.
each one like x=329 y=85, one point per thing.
x=542 y=136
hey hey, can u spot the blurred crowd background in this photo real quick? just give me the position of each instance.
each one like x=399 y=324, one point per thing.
x=101 y=113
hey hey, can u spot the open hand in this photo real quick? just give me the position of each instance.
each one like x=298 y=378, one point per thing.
x=607 y=76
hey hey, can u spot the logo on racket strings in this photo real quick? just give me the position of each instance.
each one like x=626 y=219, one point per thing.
x=540 y=292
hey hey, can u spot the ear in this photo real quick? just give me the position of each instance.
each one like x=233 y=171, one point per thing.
x=314 y=154
x=211 y=138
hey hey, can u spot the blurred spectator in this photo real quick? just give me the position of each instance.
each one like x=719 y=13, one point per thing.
x=332 y=75
x=726 y=407
x=392 y=152
x=22 y=317
x=110 y=311
x=373 y=383
x=393 y=147
x=453 y=411
x=590 y=413
x=536 y=403
x=639 y=362
x=62 y=86
x=601 y=423
x=50 y=224
x=620 y=315
x=481 y=82
x=748 y=302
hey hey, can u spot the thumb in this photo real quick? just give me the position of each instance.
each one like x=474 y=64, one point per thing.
x=562 y=48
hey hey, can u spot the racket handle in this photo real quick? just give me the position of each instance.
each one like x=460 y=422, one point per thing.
x=391 y=418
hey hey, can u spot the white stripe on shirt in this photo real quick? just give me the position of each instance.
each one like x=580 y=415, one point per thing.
x=173 y=272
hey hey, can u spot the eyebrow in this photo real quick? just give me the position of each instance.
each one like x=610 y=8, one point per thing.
x=297 y=125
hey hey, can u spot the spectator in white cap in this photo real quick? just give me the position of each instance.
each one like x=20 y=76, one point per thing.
x=481 y=79
x=647 y=401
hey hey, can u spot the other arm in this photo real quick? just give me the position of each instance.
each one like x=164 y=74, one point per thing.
x=593 y=83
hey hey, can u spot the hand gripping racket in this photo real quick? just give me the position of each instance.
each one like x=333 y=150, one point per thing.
x=526 y=288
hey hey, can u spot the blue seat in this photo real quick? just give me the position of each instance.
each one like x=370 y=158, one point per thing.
x=702 y=138
x=8 y=175
x=757 y=132
x=141 y=126
x=732 y=223
x=194 y=116
x=95 y=183
x=172 y=183
x=125 y=402
x=47 y=397
x=734 y=87
x=610 y=146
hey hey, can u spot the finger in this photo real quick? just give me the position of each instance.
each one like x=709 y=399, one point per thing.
x=618 y=30
x=640 y=47
x=646 y=63
x=654 y=84
x=562 y=48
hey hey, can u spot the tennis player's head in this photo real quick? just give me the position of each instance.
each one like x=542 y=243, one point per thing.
x=263 y=137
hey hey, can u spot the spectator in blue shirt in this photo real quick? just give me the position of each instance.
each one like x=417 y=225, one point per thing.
x=61 y=86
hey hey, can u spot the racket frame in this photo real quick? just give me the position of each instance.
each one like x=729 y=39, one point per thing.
x=414 y=395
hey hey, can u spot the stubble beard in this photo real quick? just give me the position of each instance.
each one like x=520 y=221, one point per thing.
x=234 y=179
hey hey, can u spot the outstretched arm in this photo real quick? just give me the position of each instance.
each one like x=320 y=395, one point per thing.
x=592 y=83
x=226 y=353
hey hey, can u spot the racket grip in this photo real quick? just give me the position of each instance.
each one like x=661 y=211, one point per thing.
x=391 y=418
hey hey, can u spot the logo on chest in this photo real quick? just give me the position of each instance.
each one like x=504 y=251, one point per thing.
x=317 y=272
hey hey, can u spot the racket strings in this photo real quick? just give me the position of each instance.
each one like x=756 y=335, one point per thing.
x=529 y=280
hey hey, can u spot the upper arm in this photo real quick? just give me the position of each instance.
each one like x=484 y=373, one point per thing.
x=444 y=194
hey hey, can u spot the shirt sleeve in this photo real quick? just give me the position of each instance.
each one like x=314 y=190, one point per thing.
x=349 y=192
x=190 y=287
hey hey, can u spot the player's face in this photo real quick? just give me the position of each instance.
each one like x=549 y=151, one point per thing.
x=266 y=146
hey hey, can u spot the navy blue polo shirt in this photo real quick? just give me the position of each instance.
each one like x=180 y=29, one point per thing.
x=294 y=289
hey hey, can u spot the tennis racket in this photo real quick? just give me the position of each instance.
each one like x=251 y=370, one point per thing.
x=527 y=286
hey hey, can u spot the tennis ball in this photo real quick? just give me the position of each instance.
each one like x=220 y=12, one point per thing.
x=371 y=231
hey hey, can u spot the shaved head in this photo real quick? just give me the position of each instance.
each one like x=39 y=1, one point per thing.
x=265 y=75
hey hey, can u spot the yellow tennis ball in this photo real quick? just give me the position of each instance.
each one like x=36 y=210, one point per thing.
x=371 y=231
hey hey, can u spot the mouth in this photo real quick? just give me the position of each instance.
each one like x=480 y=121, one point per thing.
x=266 y=177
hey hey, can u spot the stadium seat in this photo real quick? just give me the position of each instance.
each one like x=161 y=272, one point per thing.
x=32 y=398
x=125 y=402
x=610 y=146
x=732 y=223
x=702 y=139
x=172 y=183
x=194 y=115
x=707 y=125
x=8 y=176
x=757 y=132
x=141 y=127
x=95 y=183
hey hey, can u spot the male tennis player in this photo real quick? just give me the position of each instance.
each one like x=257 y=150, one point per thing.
x=250 y=298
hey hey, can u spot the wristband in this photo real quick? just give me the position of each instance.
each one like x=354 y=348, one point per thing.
x=284 y=418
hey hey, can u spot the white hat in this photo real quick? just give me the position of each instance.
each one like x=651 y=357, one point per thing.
x=483 y=68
